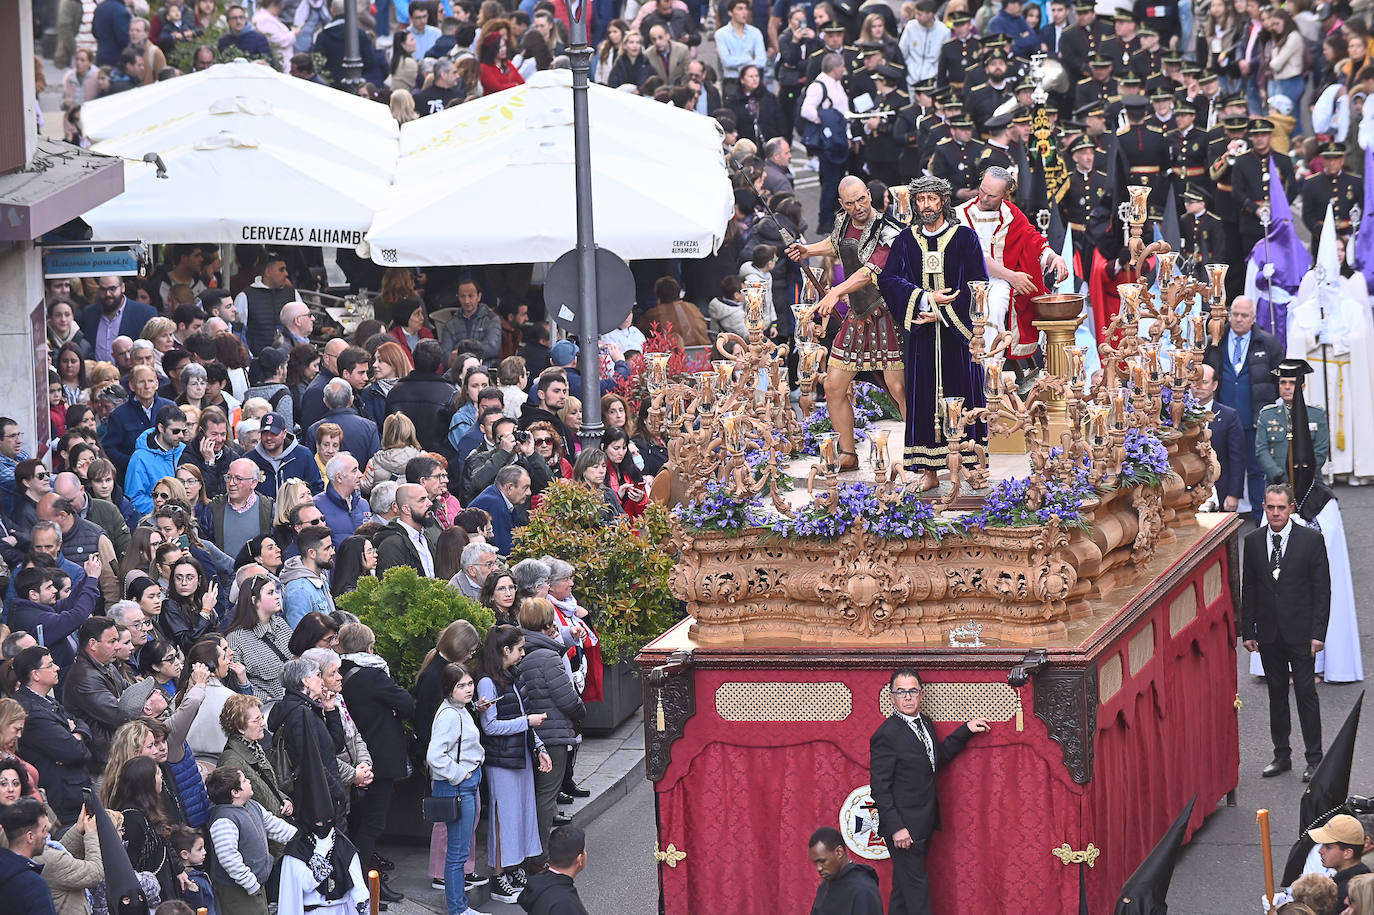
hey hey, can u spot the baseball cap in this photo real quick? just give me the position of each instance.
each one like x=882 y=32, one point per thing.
x=1342 y=828
x=274 y=423
x=563 y=352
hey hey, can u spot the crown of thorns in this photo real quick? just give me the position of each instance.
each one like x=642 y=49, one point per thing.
x=929 y=184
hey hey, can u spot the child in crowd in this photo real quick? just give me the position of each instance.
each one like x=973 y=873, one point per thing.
x=189 y=844
x=239 y=830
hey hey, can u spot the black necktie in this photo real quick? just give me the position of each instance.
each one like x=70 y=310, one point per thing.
x=1276 y=553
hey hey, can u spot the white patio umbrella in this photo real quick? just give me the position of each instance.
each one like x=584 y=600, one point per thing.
x=230 y=189
x=164 y=102
x=341 y=140
x=491 y=181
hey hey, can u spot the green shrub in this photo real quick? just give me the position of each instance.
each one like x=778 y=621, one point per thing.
x=407 y=612
x=622 y=567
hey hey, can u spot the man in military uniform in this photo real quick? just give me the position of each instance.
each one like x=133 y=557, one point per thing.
x=1251 y=183
x=1204 y=91
x=1271 y=427
x=1189 y=149
x=882 y=150
x=956 y=159
x=1202 y=232
x=1080 y=43
x=910 y=128
x=1131 y=87
x=832 y=42
x=1149 y=60
x=1222 y=153
x=1094 y=118
x=1097 y=88
x=995 y=147
x=1121 y=47
x=1087 y=189
x=1335 y=186
x=1162 y=101
x=982 y=100
x=861 y=80
x=1147 y=151
x=959 y=53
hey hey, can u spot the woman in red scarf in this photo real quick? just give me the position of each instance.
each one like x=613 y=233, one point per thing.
x=497 y=73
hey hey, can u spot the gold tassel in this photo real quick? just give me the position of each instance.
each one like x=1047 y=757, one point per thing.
x=658 y=715
x=1020 y=721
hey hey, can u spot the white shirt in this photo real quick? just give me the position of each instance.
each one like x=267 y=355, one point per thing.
x=422 y=547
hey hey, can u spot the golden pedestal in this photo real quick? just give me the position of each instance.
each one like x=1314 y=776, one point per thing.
x=1058 y=335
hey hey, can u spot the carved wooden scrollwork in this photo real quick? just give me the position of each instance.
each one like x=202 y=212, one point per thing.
x=1066 y=700
x=670 y=702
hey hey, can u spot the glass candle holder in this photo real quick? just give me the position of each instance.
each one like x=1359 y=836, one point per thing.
x=951 y=415
x=992 y=377
x=732 y=432
x=978 y=300
x=830 y=451
x=1216 y=280
x=658 y=372
x=1119 y=399
x=1168 y=266
x=725 y=373
x=1130 y=301
x=879 y=438
x=1140 y=203
x=809 y=356
x=706 y=391
x=1199 y=335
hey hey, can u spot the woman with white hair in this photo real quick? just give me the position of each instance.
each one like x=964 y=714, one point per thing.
x=308 y=719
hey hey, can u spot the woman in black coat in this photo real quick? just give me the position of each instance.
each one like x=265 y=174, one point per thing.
x=633 y=67
x=547 y=688
x=380 y=709
x=758 y=116
x=308 y=719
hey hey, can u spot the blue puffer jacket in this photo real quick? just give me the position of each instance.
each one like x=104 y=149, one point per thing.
x=150 y=463
x=191 y=788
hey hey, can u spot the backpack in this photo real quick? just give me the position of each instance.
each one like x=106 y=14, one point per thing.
x=828 y=136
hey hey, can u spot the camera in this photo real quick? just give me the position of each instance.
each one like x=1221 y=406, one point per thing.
x=521 y=436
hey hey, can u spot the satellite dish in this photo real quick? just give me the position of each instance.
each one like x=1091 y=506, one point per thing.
x=615 y=291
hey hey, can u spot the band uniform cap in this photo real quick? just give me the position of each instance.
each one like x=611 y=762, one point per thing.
x=1184 y=108
x=1135 y=103
x=925 y=87
x=1235 y=122
x=1021 y=116
x=1172 y=60
x=1334 y=150
x=963 y=122
x=1233 y=100
x=1123 y=16
x=1193 y=192
x=1342 y=828
x=1098 y=62
x=1260 y=125
x=892 y=74
x=1206 y=76
x=1129 y=79
x=995 y=53
x=998 y=121
x=1085 y=6
x=1296 y=369
x=1023 y=86
x=958 y=18
x=1081 y=143
x=870 y=47
x=1147 y=31
x=1161 y=95
x=832 y=27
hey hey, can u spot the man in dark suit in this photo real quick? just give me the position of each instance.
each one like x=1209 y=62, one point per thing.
x=505 y=501
x=903 y=759
x=1285 y=602
x=1228 y=439
x=53 y=742
x=1244 y=363
x=132 y=418
x=112 y=314
x=403 y=541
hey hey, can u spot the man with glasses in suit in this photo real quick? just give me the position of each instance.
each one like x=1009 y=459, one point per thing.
x=904 y=757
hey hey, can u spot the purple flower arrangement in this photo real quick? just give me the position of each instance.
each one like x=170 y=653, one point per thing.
x=871 y=404
x=719 y=510
x=858 y=504
x=1146 y=463
x=1007 y=505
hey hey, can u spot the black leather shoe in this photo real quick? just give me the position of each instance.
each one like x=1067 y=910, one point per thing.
x=1277 y=767
x=561 y=819
x=389 y=895
x=565 y=798
x=1310 y=771
x=574 y=791
x=381 y=863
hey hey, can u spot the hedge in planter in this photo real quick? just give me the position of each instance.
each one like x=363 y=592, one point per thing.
x=622 y=567
x=406 y=613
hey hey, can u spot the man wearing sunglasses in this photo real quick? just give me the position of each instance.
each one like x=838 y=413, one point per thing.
x=156 y=455
x=904 y=756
